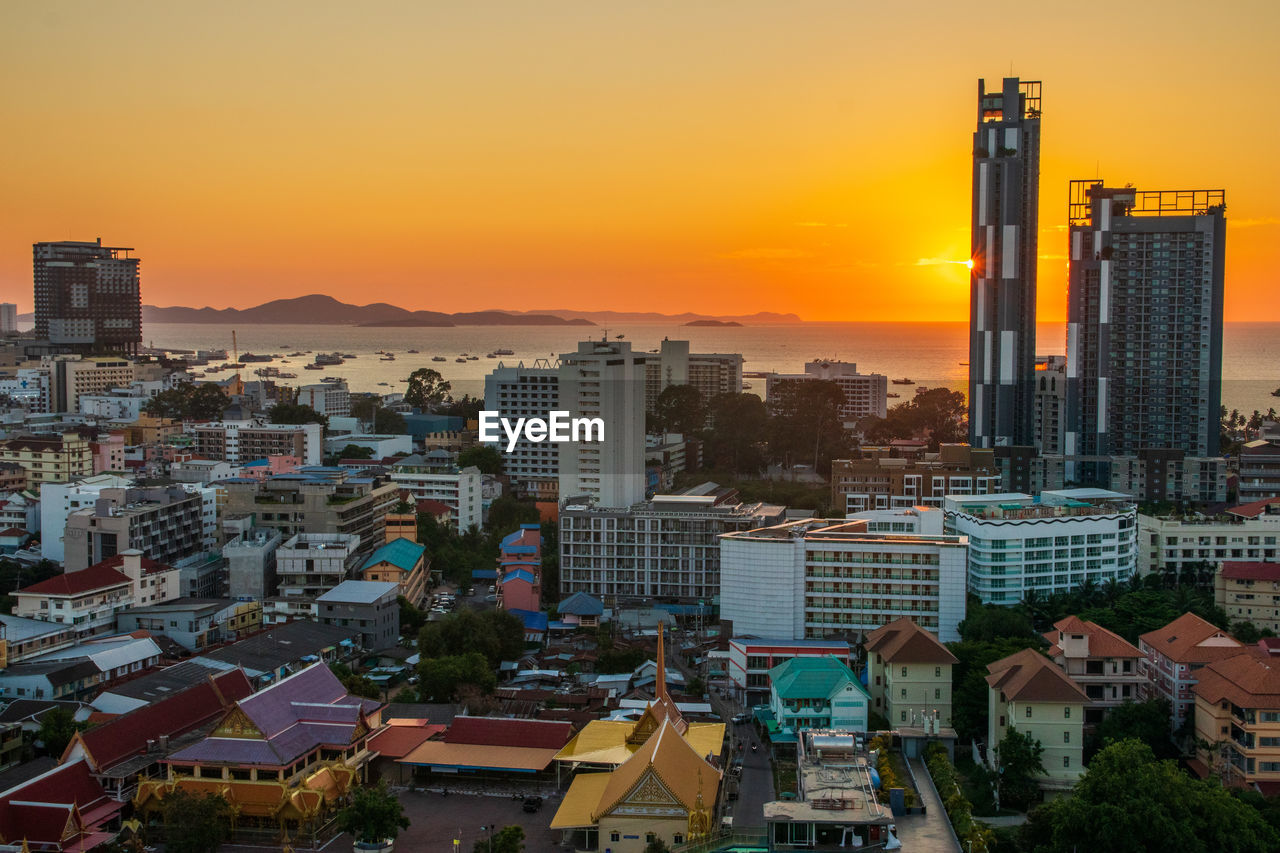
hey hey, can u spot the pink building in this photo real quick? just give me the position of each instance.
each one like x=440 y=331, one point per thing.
x=262 y=469
x=108 y=453
x=520 y=569
x=1172 y=657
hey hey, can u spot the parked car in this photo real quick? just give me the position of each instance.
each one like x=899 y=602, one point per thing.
x=532 y=804
x=742 y=718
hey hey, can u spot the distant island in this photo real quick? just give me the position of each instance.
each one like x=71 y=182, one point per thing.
x=319 y=309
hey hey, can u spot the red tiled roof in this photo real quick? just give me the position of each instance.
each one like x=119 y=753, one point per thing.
x=15 y=531
x=100 y=576
x=1029 y=676
x=1190 y=639
x=149 y=566
x=433 y=507
x=1241 y=571
x=126 y=736
x=1249 y=679
x=40 y=809
x=399 y=741
x=903 y=641
x=1102 y=643
x=499 y=731
x=1252 y=509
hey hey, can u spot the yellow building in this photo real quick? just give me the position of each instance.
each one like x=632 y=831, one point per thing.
x=403 y=562
x=1028 y=692
x=1237 y=710
x=50 y=460
x=1249 y=592
x=910 y=674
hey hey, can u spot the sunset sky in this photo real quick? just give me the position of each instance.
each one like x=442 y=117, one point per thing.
x=721 y=157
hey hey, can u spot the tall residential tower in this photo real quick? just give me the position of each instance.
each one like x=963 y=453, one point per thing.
x=1144 y=322
x=1002 y=314
x=87 y=297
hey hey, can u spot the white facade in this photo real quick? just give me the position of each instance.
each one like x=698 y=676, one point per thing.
x=460 y=490
x=73 y=375
x=236 y=452
x=59 y=500
x=1183 y=542
x=604 y=380
x=525 y=392
x=864 y=393
x=919 y=520
x=29 y=388
x=1049 y=544
x=829 y=578
x=114 y=406
x=382 y=446
x=310 y=564
x=712 y=373
x=332 y=399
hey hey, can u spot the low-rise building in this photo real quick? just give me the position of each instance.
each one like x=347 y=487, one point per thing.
x=829 y=578
x=1027 y=692
x=1173 y=656
x=1259 y=475
x=402 y=562
x=59 y=500
x=435 y=477
x=1182 y=544
x=1249 y=592
x=1105 y=665
x=817 y=693
x=909 y=674
x=865 y=394
x=878 y=480
x=520 y=569
x=1237 y=718
x=251 y=563
x=195 y=623
x=166 y=523
x=368 y=606
x=241 y=441
x=1050 y=543
x=751 y=659
x=310 y=564
x=665 y=548
x=273 y=654
x=87 y=600
x=50 y=460
x=75 y=672
x=331 y=399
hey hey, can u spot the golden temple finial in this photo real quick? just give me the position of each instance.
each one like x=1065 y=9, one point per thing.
x=699 y=815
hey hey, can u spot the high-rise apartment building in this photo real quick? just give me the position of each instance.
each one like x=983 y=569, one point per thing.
x=604 y=380
x=526 y=392
x=331 y=399
x=673 y=364
x=864 y=393
x=1002 y=319
x=1050 y=403
x=1144 y=322
x=8 y=318
x=87 y=297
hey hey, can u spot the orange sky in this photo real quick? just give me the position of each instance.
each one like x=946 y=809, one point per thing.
x=722 y=157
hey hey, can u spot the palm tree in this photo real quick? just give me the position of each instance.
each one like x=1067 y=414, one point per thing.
x=1033 y=602
x=1112 y=590
x=1087 y=593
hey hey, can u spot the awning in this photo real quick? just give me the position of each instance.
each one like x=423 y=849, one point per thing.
x=581 y=801
x=346 y=643
x=783 y=736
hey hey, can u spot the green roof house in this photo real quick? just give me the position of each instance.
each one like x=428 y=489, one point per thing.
x=817 y=693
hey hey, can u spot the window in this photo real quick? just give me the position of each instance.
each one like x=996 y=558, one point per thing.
x=937 y=693
x=904 y=693
x=1066 y=737
x=1028 y=714
x=937 y=672
x=904 y=716
x=904 y=672
x=1066 y=713
x=678 y=838
x=1066 y=761
x=650 y=837
x=614 y=836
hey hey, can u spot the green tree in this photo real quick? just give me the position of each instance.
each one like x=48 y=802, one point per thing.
x=374 y=814
x=355 y=451
x=195 y=823
x=736 y=437
x=295 y=413
x=355 y=684
x=57 y=728
x=991 y=622
x=427 y=389
x=1149 y=722
x=441 y=679
x=679 y=408
x=969 y=685
x=1128 y=801
x=807 y=427
x=1021 y=763
x=657 y=845
x=509 y=839
x=189 y=401
x=411 y=618
x=495 y=635
x=486 y=457
x=937 y=414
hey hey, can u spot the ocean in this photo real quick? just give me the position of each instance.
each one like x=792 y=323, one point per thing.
x=931 y=354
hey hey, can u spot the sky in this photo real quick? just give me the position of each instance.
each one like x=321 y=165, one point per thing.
x=721 y=157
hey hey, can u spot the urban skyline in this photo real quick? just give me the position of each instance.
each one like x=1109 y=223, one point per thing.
x=671 y=157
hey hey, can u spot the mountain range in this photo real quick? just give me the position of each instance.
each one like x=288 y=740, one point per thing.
x=319 y=309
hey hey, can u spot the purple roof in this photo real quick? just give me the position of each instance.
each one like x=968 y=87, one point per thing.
x=273 y=710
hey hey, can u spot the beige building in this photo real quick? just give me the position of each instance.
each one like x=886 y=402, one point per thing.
x=1237 y=711
x=50 y=460
x=877 y=480
x=910 y=674
x=1027 y=692
x=73 y=375
x=1102 y=663
x=1249 y=592
x=166 y=524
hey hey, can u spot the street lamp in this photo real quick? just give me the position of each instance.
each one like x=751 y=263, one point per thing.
x=490 y=828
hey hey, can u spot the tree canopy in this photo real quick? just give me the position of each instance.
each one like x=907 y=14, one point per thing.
x=680 y=409
x=374 y=814
x=57 y=728
x=1128 y=801
x=195 y=823
x=939 y=414
x=486 y=457
x=189 y=401
x=495 y=634
x=735 y=439
x=509 y=839
x=295 y=413
x=427 y=389
x=806 y=427
x=1021 y=765
x=443 y=678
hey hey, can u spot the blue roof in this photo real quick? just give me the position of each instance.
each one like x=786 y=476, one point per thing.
x=484 y=574
x=401 y=553
x=519 y=574
x=531 y=526
x=581 y=604
x=256 y=463
x=534 y=620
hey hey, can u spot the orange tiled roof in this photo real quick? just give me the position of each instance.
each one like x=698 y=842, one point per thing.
x=1250 y=679
x=1102 y=643
x=903 y=641
x=1190 y=639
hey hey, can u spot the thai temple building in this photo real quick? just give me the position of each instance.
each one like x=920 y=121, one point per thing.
x=284 y=758
x=663 y=784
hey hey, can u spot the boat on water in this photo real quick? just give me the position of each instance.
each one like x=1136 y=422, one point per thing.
x=964 y=364
x=438 y=358
x=893 y=394
x=384 y=383
x=492 y=355
x=332 y=379
x=460 y=360
x=388 y=357
x=903 y=381
x=473 y=358
x=412 y=351
x=746 y=386
x=328 y=358
x=504 y=352
x=313 y=367
x=286 y=375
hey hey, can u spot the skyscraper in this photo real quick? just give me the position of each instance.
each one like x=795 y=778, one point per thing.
x=1144 y=322
x=1002 y=314
x=604 y=379
x=8 y=318
x=87 y=297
